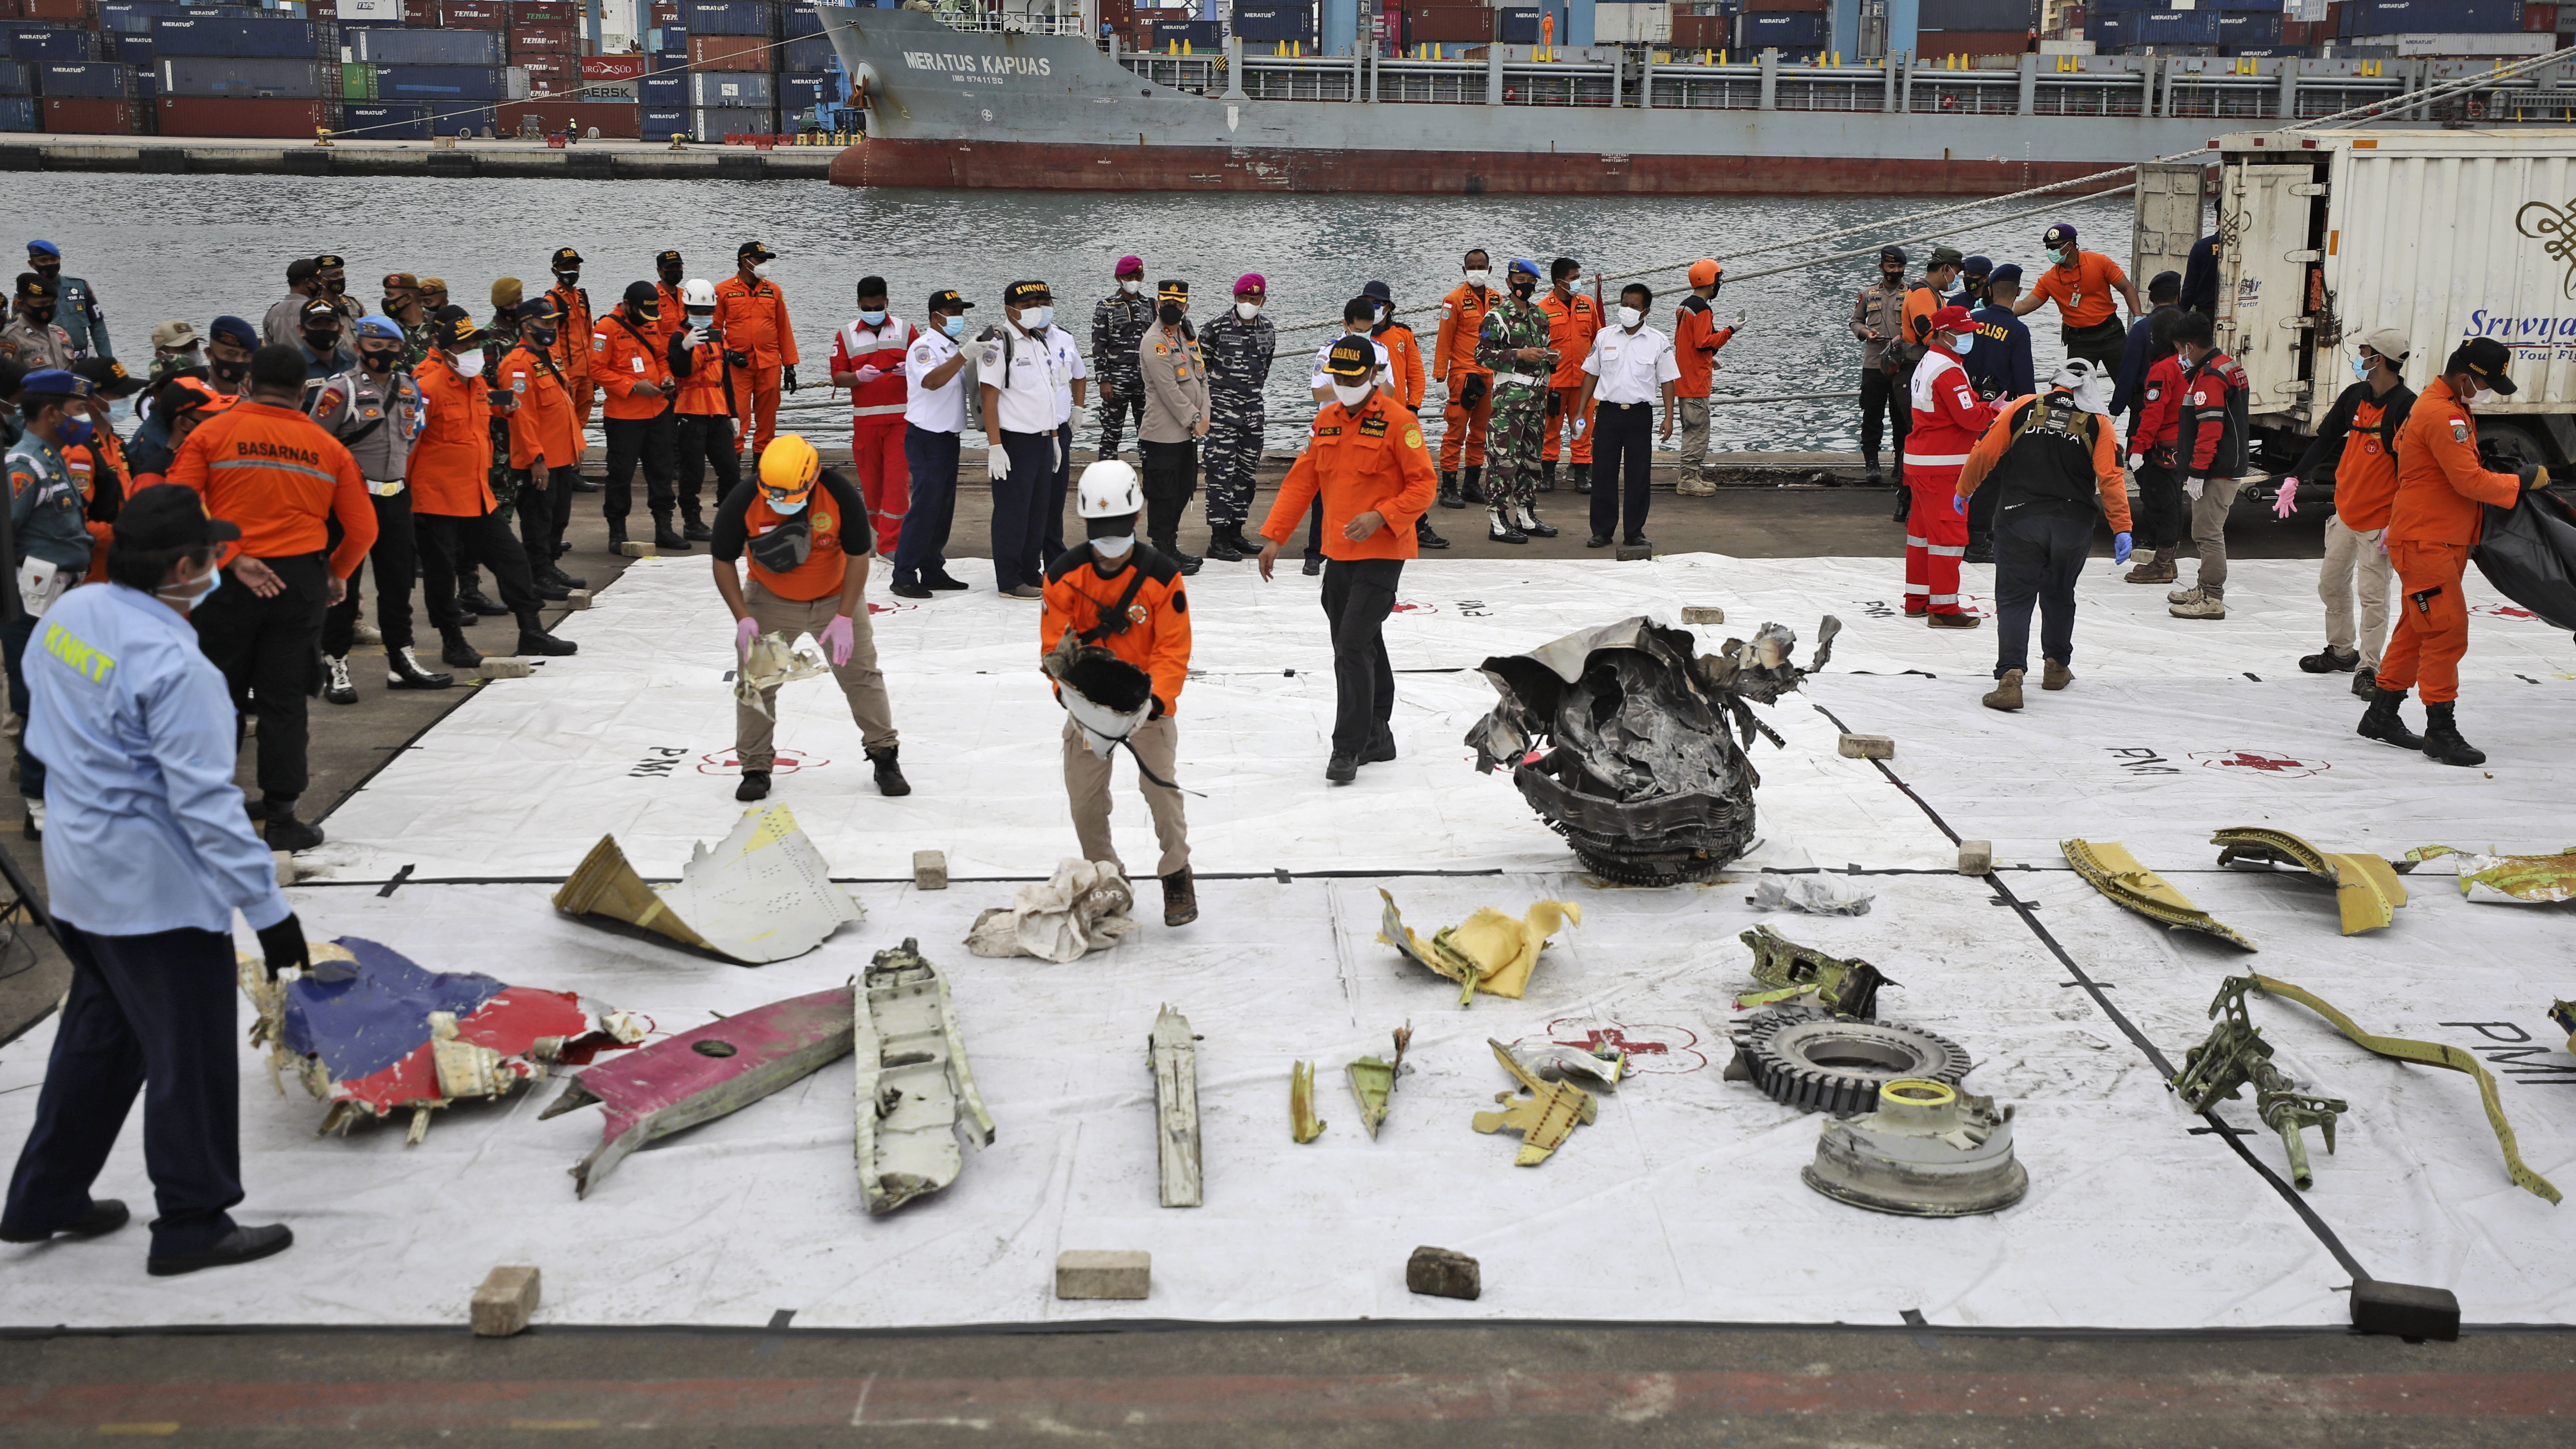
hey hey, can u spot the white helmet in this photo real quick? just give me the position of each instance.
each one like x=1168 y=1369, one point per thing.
x=1108 y=490
x=697 y=292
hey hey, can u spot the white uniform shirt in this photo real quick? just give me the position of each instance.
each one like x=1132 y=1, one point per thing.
x=1025 y=399
x=934 y=409
x=1632 y=366
x=1069 y=370
x=1385 y=363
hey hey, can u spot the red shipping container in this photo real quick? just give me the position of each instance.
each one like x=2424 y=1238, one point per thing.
x=729 y=52
x=551 y=12
x=1971 y=42
x=2540 y=19
x=226 y=116
x=598 y=68
x=544 y=40
x=475 y=15
x=1701 y=32
x=9 y=10
x=576 y=117
x=61 y=12
x=78 y=116
x=1448 y=24
x=666 y=12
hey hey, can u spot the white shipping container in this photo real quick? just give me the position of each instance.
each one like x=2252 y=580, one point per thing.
x=1632 y=24
x=2508 y=43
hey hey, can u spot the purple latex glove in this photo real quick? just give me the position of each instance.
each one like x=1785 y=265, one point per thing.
x=745 y=630
x=1959 y=504
x=839 y=637
x=2287 y=501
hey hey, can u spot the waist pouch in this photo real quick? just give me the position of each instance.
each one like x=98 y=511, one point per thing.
x=784 y=548
x=1474 y=392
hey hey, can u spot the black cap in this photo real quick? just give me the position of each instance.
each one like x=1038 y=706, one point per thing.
x=1172 y=289
x=1892 y=254
x=1351 y=357
x=942 y=300
x=107 y=377
x=644 y=294
x=666 y=259
x=1021 y=294
x=755 y=251
x=454 y=328
x=566 y=257
x=319 y=308
x=538 y=309
x=35 y=288
x=1947 y=257
x=326 y=262
x=1379 y=290
x=2486 y=359
x=169 y=515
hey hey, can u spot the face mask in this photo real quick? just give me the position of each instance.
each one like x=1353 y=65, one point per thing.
x=790 y=505
x=229 y=371
x=1114 y=546
x=1130 y=285
x=1383 y=310
x=469 y=364
x=1477 y=276
x=953 y=326
x=76 y=431
x=1524 y=287
x=323 y=343
x=48 y=268
x=41 y=316
x=1036 y=319
x=2057 y=254
x=189 y=596
x=1629 y=317
x=1171 y=314
x=2361 y=368
x=376 y=361
x=874 y=318
x=671 y=276
x=542 y=336
x=761 y=271
x=1963 y=344
x=337 y=288
x=1247 y=310
x=1350 y=395
x=2477 y=399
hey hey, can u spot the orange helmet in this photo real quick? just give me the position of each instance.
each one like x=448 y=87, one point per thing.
x=1705 y=272
x=788 y=468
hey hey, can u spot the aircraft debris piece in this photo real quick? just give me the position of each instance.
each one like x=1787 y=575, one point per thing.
x=1639 y=770
x=1302 y=1123
x=1488 y=952
x=2564 y=1013
x=1804 y=976
x=773 y=660
x=1801 y=1057
x=1597 y=1069
x=2235 y=1056
x=912 y=1080
x=1928 y=1151
x=1373 y=1081
x=763 y=894
x=704 y=1073
x=2398 y=1048
x=2527 y=880
x=1174 y=1055
x=371 y=1033
x=2108 y=867
x=1817 y=895
x=1544 y=1118
x=2367 y=890
x=1080 y=909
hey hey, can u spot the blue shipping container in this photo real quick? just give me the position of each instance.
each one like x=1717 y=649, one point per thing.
x=223 y=75
x=387 y=120
x=134 y=17
x=806 y=53
x=48 y=45
x=430 y=47
x=714 y=124
x=1270 y=22
x=1198 y=35
x=1516 y=26
x=96 y=79
x=664 y=88
x=2177 y=27
x=17 y=78
x=805 y=92
x=735 y=88
x=2442 y=17
x=2245 y=27
x=442 y=83
x=128 y=47
x=802 y=20
x=1764 y=29
x=18 y=113
x=662 y=123
x=249 y=39
x=729 y=17
x=672 y=40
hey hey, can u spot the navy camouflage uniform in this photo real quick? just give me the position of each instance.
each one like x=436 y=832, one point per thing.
x=1238 y=354
x=1518 y=430
x=1117 y=324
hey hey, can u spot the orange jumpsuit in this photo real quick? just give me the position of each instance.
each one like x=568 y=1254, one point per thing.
x=753 y=318
x=1453 y=363
x=2431 y=528
x=544 y=431
x=572 y=348
x=1404 y=355
x=1571 y=325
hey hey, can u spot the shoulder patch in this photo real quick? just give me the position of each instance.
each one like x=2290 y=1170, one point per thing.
x=2459 y=430
x=1413 y=438
x=1447 y=311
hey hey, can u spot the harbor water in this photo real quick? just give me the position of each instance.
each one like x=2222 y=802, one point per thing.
x=195 y=247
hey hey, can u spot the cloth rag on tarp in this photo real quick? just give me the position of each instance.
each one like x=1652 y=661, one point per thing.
x=1080 y=909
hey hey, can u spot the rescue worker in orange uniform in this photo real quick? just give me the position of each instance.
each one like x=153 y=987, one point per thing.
x=1948 y=418
x=545 y=434
x=630 y=360
x=2356 y=447
x=1405 y=375
x=793 y=520
x=572 y=337
x=704 y=410
x=267 y=468
x=1573 y=320
x=1696 y=339
x=759 y=342
x=1365 y=458
x=1469 y=387
x=666 y=290
x=2432 y=526
x=459 y=521
x=867 y=358
x=1115 y=591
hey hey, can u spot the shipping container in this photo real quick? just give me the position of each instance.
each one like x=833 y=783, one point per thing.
x=1198 y=35
x=1971 y=42
x=715 y=125
x=802 y=19
x=474 y=15
x=2479 y=46
x=666 y=12
x=666 y=90
x=1631 y=24
x=61 y=12
x=429 y=47
x=2249 y=28
x=730 y=17
x=18 y=113
x=2444 y=17
x=94 y=80
x=225 y=116
x=1448 y=24
x=76 y=116
x=388 y=120
x=199 y=35
x=544 y=40
x=1703 y=32
x=555 y=75
x=734 y=89
x=1988 y=15
x=1805 y=7
x=670 y=40
x=577 y=118
x=2539 y=19
x=383 y=12
x=1267 y=22
x=52 y=45
x=805 y=92
x=728 y=52
x=216 y=75
x=451 y=83
x=17 y=78
x=130 y=49
x=2162 y=28
x=135 y=17
x=1516 y=24
x=595 y=68
x=1755 y=31
x=808 y=52
x=661 y=123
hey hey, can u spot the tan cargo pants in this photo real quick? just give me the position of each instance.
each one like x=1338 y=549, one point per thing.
x=1086 y=785
x=2355 y=557
x=861 y=682
x=2209 y=530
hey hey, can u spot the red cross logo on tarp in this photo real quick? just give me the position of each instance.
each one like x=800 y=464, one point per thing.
x=1651 y=1049
x=2261 y=762
x=1415 y=609
x=726 y=762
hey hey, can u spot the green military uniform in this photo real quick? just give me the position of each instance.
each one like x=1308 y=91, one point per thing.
x=1519 y=425
x=500 y=338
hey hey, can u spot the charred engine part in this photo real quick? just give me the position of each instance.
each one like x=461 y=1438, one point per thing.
x=1803 y=1058
x=1804 y=976
x=1929 y=1151
x=1644 y=771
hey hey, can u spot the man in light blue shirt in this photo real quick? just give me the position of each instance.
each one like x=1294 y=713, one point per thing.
x=148 y=852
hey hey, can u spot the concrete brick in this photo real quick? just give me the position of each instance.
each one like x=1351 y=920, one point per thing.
x=1628 y=553
x=1867 y=747
x=1442 y=1273
x=636 y=550
x=577 y=599
x=1097 y=1273
x=1703 y=614
x=1976 y=857
x=2405 y=1310
x=503 y=666
x=930 y=870
x=285 y=862
x=506 y=1301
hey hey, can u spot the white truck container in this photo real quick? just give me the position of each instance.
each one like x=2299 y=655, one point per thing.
x=2442 y=234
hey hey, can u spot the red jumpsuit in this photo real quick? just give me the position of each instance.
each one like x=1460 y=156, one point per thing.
x=876 y=420
x=2431 y=528
x=1948 y=420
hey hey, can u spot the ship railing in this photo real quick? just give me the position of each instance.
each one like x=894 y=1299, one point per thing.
x=1197 y=74
x=1016 y=24
x=2333 y=97
x=1560 y=84
x=1270 y=79
x=2233 y=98
x=1965 y=93
x=1425 y=81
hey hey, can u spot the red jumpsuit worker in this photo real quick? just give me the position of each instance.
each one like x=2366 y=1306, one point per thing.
x=1573 y=319
x=1948 y=419
x=1471 y=388
x=867 y=358
x=751 y=315
x=2441 y=490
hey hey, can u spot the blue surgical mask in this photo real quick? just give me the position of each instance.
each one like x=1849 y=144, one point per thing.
x=874 y=318
x=76 y=431
x=2361 y=368
x=2057 y=254
x=787 y=506
x=1967 y=343
x=195 y=594
x=953 y=326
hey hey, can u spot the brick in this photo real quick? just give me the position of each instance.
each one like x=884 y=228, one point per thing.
x=1633 y=553
x=1441 y=1273
x=1703 y=614
x=930 y=870
x=506 y=1301
x=503 y=666
x=1868 y=747
x=1097 y=1273
x=285 y=862
x=2406 y=1310
x=636 y=550
x=1976 y=857
x=577 y=599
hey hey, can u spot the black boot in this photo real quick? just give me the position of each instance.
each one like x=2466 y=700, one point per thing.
x=455 y=652
x=1904 y=503
x=1500 y=527
x=533 y=639
x=2381 y=722
x=2442 y=740
x=336 y=687
x=1224 y=546
x=1449 y=491
x=241 y=1245
x=547 y=589
x=664 y=536
x=890 y=780
x=695 y=530
x=1547 y=476
x=616 y=534
x=1582 y=477
x=754 y=786
x=403 y=671
x=477 y=607
x=1170 y=548
x=1869 y=466
x=1423 y=537
x=1180 y=898
x=1473 y=489
x=285 y=832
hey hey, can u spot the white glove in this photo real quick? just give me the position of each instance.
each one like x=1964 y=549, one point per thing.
x=1057 y=446
x=870 y=373
x=997 y=463
x=2193 y=486
x=691 y=338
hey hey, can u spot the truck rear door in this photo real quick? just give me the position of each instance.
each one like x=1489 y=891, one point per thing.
x=2266 y=220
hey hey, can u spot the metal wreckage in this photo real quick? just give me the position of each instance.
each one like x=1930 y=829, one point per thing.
x=1641 y=773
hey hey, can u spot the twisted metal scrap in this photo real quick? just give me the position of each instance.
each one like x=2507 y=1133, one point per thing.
x=2236 y=1056
x=2367 y=891
x=773 y=660
x=1803 y=975
x=2110 y=869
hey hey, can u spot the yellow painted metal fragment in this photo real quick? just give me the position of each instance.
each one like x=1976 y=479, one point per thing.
x=1489 y=951
x=1302 y=1123
x=2367 y=890
x=1544 y=1118
x=2109 y=868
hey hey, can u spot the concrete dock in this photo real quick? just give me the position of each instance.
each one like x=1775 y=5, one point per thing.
x=587 y=160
